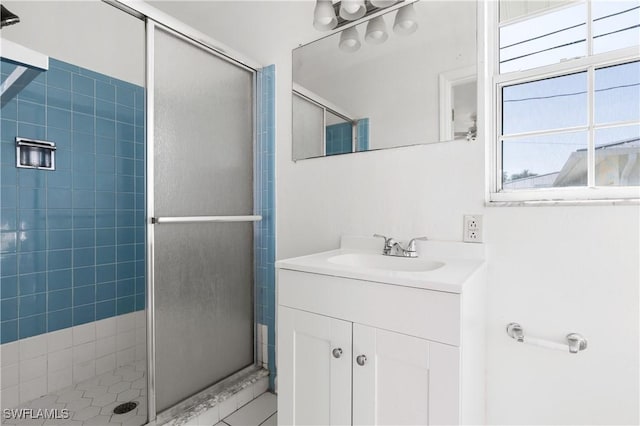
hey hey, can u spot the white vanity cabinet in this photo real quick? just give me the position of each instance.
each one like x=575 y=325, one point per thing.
x=384 y=376
x=392 y=385
x=354 y=351
x=317 y=383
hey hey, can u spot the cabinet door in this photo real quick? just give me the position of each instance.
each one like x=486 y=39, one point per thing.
x=314 y=386
x=392 y=387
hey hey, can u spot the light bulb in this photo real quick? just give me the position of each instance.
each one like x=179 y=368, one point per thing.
x=383 y=3
x=324 y=16
x=406 y=21
x=349 y=40
x=352 y=9
x=376 y=31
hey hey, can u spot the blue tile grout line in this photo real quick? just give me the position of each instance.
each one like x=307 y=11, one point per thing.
x=72 y=240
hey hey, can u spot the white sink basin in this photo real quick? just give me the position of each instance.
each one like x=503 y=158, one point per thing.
x=390 y=263
x=441 y=266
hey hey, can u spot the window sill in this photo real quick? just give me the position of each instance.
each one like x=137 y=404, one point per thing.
x=576 y=196
x=563 y=203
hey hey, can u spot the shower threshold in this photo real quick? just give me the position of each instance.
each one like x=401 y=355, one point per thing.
x=92 y=401
x=219 y=400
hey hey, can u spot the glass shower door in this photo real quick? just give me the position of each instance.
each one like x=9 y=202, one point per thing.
x=202 y=169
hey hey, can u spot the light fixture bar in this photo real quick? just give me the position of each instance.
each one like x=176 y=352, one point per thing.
x=371 y=9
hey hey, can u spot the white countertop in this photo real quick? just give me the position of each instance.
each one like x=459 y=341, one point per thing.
x=461 y=261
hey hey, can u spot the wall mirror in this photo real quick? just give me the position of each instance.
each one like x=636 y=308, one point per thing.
x=354 y=92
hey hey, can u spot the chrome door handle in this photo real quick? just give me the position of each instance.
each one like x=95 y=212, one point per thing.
x=337 y=352
x=361 y=359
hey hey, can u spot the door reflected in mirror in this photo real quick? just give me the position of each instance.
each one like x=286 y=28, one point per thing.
x=387 y=92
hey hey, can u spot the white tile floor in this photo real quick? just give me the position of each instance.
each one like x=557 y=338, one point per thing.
x=92 y=402
x=259 y=412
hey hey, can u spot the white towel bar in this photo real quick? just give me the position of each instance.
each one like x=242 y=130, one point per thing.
x=575 y=342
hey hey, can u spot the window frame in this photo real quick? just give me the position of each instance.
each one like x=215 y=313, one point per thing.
x=496 y=81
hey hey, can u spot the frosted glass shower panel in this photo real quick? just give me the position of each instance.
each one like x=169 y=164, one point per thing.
x=204 y=132
x=203 y=166
x=204 y=306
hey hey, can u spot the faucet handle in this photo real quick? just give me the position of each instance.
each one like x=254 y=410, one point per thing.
x=411 y=246
x=386 y=240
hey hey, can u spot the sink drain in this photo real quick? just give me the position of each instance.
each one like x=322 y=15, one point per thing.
x=125 y=408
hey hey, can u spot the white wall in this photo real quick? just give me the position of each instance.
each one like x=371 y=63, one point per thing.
x=557 y=270
x=553 y=269
x=89 y=33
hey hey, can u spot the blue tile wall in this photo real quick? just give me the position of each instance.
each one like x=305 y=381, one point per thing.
x=72 y=240
x=338 y=138
x=362 y=142
x=264 y=201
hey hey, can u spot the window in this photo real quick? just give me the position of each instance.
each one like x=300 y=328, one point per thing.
x=567 y=83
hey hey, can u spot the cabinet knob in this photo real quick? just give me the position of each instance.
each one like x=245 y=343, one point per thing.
x=361 y=359
x=337 y=352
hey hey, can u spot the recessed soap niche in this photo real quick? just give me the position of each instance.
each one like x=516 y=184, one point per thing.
x=35 y=154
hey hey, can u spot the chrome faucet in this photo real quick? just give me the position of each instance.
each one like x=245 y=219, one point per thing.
x=394 y=248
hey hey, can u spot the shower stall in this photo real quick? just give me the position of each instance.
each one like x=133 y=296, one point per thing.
x=201 y=204
x=141 y=264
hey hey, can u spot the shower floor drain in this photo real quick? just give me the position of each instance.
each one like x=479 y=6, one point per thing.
x=125 y=408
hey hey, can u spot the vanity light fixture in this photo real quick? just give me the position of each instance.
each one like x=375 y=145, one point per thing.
x=406 y=21
x=352 y=9
x=349 y=40
x=324 y=16
x=346 y=11
x=376 y=31
x=328 y=15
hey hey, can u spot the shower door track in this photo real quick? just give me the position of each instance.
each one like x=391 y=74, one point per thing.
x=214 y=394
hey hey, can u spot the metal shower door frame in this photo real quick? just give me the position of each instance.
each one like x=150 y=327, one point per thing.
x=196 y=40
x=155 y=18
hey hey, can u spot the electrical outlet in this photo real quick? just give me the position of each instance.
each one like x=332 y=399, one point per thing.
x=472 y=229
